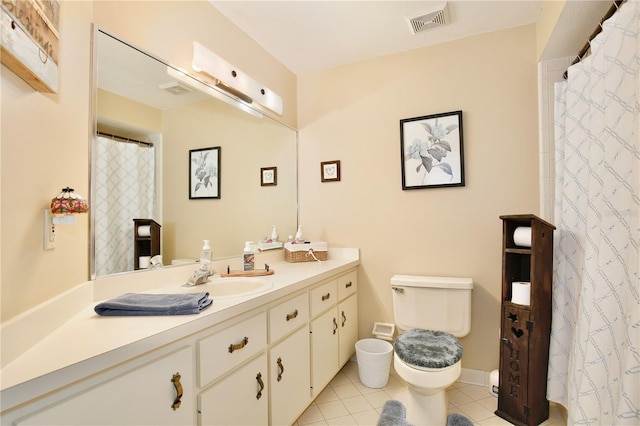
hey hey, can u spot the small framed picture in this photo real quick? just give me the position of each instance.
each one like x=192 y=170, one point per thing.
x=268 y=176
x=330 y=171
x=204 y=173
x=431 y=151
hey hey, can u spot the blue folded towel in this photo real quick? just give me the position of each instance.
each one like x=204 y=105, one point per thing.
x=138 y=304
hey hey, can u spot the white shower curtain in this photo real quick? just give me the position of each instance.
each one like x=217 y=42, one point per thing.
x=124 y=190
x=594 y=364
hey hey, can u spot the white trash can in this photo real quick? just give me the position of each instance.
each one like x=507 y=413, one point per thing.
x=374 y=362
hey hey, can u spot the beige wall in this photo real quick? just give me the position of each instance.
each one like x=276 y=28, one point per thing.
x=352 y=114
x=45 y=137
x=45 y=148
x=130 y=113
x=549 y=15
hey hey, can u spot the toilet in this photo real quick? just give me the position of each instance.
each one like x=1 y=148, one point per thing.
x=430 y=314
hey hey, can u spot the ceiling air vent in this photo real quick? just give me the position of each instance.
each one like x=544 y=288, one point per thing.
x=432 y=19
x=176 y=88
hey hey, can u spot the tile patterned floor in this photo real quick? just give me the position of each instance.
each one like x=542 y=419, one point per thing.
x=346 y=401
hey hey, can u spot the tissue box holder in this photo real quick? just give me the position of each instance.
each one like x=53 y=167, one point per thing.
x=300 y=252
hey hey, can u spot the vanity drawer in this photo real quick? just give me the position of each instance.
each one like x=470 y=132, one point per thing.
x=347 y=285
x=323 y=297
x=288 y=316
x=227 y=348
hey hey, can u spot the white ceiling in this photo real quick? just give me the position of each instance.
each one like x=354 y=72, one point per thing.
x=313 y=35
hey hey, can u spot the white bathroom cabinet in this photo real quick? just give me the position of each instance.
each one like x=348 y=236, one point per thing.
x=334 y=328
x=238 y=399
x=348 y=316
x=157 y=389
x=348 y=332
x=254 y=368
x=289 y=359
x=225 y=349
x=289 y=380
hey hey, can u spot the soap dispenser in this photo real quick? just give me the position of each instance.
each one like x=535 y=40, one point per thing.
x=205 y=256
x=274 y=234
x=299 y=237
x=248 y=257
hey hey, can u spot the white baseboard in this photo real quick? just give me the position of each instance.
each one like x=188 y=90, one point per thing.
x=475 y=377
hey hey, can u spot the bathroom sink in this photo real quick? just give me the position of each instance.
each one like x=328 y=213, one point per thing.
x=225 y=288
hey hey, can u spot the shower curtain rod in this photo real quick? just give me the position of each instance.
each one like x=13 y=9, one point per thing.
x=587 y=46
x=124 y=139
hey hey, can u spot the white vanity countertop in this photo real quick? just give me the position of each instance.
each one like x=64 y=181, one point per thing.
x=89 y=343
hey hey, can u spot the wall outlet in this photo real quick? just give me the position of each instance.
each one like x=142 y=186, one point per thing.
x=49 y=231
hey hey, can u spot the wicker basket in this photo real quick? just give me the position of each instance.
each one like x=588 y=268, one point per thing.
x=304 y=256
x=309 y=252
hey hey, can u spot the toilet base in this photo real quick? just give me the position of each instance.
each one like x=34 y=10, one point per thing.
x=427 y=410
x=427 y=406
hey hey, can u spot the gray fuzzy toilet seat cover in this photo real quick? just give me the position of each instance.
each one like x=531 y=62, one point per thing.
x=428 y=349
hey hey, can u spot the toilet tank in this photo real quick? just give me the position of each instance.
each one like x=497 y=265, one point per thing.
x=432 y=303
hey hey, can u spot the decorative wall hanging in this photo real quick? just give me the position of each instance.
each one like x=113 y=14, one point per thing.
x=204 y=173
x=29 y=34
x=330 y=171
x=431 y=151
x=268 y=176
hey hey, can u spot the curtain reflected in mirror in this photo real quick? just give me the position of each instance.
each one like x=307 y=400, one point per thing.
x=149 y=121
x=124 y=189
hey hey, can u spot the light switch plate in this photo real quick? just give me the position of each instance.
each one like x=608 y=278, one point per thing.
x=49 y=231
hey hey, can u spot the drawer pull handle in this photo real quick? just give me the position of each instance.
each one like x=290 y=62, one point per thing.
x=349 y=284
x=335 y=326
x=176 y=383
x=326 y=296
x=293 y=315
x=344 y=318
x=261 y=384
x=281 y=367
x=240 y=345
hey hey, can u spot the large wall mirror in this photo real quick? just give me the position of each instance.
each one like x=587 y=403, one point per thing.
x=152 y=129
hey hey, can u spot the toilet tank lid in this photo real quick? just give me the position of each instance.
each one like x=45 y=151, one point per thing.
x=460 y=283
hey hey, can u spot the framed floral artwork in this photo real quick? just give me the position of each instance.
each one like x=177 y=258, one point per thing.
x=204 y=173
x=268 y=176
x=431 y=151
x=330 y=171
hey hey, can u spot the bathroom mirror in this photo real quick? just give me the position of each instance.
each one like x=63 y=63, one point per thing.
x=153 y=125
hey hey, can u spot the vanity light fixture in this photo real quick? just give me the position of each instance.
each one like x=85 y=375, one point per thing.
x=212 y=91
x=231 y=79
x=65 y=205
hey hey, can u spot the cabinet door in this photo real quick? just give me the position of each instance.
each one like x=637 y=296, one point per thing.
x=142 y=396
x=348 y=334
x=239 y=399
x=324 y=350
x=290 y=377
x=514 y=363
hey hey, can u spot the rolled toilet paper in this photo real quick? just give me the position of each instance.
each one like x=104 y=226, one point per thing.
x=144 y=231
x=522 y=236
x=143 y=262
x=521 y=292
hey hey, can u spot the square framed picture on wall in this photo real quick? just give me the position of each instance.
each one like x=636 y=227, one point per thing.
x=431 y=151
x=268 y=176
x=330 y=171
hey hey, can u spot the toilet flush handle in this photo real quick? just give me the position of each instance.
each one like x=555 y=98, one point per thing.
x=398 y=289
